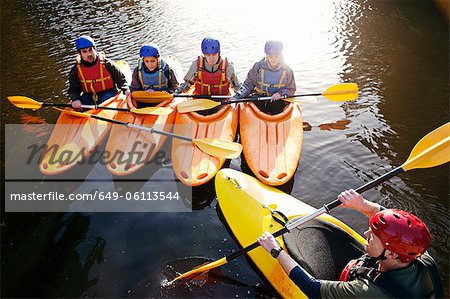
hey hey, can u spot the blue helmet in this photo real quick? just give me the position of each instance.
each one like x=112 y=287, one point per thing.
x=210 y=46
x=148 y=50
x=273 y=47
x=84 y=41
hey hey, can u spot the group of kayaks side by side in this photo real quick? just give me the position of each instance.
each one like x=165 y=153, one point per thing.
x=271 y=143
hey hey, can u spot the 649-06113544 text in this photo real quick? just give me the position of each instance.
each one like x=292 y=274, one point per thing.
x=96 y=195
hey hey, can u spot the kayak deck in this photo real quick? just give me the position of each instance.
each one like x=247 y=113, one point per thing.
x=272 y=143
x=74 y=137
x=130 y=149
x=192 y=166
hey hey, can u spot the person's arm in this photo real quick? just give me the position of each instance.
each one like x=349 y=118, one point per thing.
x=290 y=87
x=307 y=283
x=118 y=77
x=75 y=89
x=172 y=78
x=249 y=83
x=231 y=76
x=189 y=78
x=135 y=82
x=353 y=200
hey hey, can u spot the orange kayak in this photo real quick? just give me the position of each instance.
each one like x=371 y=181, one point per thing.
x=130 y=149
x=73 y=138
x=272 y=143
x=192 y=166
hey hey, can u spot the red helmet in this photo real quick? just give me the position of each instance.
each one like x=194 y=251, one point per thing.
x=401 y=232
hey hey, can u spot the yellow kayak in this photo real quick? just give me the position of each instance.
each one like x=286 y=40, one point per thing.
x=248 y=207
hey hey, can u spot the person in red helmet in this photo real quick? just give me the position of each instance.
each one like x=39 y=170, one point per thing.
x=94 y=78
x=211 y=74
x=395 y=265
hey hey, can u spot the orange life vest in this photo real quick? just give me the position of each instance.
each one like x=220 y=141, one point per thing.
x=96 y=78
x=216 y=83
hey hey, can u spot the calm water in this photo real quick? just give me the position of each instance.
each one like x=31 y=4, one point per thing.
x=397 y=52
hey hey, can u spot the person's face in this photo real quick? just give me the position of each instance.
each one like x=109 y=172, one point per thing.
x=274 y=60
x=88 y=54
x=151 y=62
x=212 y=59
x=374 y=246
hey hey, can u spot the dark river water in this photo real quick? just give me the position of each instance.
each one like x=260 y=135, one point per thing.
x=396 y=51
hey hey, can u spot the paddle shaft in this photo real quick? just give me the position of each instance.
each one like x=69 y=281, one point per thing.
x=85 y=106
x=200 y=96
x=247 y=99
x=325 y=209
x=252 y=99
x=130 y=125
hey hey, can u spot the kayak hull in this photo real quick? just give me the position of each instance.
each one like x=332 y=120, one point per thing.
x=244 y=202
x=192 y=166
x=272 y=143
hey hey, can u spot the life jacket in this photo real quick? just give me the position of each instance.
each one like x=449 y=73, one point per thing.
x=366 y=267
x=156 y=80
x=212 y=83
x=268 y=82
x=96 y=78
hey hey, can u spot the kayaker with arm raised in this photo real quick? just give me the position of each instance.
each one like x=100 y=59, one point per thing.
x=152 y=73
x=395 y=264
x=211 y=74
x=270 y=76
x=94 y=78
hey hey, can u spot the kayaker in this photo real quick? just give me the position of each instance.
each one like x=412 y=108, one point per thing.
x=395 y=263
x=94 y=78
x=210 y=74
x=152 y=73
x=270 y=76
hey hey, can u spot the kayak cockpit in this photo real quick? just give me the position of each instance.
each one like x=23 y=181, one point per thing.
x=322 y=248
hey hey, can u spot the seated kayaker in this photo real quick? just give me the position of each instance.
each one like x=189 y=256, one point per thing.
x=395 y=264
x=211 y=74
x=94 y=78
x=152 y=73
x=270 y=76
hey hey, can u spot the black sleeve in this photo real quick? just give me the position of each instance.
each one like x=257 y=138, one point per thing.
x=172 y=80
x=74 y=85
x=135 y=82
x=307 y=283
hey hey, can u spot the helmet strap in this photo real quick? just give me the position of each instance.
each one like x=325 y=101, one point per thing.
x=381 y=257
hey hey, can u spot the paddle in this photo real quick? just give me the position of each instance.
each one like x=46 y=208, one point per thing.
x=157 y=96
x=211 y=146
x=336 y=93
x=432 y=150
x=28 y=103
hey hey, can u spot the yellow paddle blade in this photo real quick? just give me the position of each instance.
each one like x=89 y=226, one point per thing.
x=203 y=268
x=150 y=98
x=196 y=105
x=152 y=110
x=219 y=148
x=432 y=150
x=342 y=92
x=73 y=112
x=24 y=102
